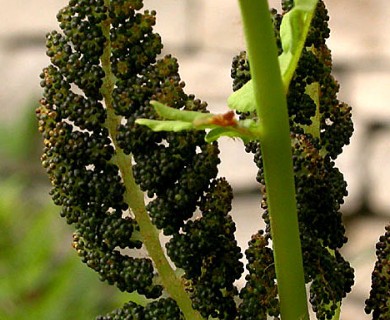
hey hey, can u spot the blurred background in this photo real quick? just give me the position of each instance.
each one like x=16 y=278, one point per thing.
x=40 y=274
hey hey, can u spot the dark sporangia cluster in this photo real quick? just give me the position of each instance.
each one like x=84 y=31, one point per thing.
x=208 y=253
x=379 y=301
x=240 y=70
x=104 y=72
x=320 y=126
x=259 y=296
x=128 y=273
x=162 y=309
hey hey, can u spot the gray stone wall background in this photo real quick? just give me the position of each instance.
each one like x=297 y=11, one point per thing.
x=204 y=35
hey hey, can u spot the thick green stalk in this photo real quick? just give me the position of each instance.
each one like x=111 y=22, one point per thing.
x=271 y=107
x=134 y=197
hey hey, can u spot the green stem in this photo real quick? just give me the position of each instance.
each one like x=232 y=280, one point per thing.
x=271 y=107
x=150 y=237
x=134 y=197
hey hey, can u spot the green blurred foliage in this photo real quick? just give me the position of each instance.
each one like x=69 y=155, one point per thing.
x=41 y=276
x=19 y=139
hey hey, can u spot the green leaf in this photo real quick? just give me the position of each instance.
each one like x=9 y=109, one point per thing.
x=293 y=32
x=166 y=125
x=216 y=133
x=246 y=130
x=180 y=120
x=175 y=119
x=243 y=100
x=170 y=113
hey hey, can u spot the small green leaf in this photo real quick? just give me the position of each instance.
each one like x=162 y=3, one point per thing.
x=165 y=125
x=243 y=100
x=175 y=119
x=251 y=125
x=170 y=113
x=216 y=133
x=180 y=120
x=293 y=32
x=246 y=130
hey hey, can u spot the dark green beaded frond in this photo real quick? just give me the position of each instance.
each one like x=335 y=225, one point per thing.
x=379 y=301
x=162 y=309
x=105 y=69
x=320 y=126
x=260 y=294
x=208 y=253
x=121 y=184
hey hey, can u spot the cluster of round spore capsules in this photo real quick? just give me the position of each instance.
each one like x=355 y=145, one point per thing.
x=127 y=273
x=330 y=276
x=320 y=187
x=208 y=253
x=240 y=70
x=379 y=301
x=287 y=5
x=259 y=296
x=79 y=155
x=320 y=191
x=176 y=170
x=162 y=309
